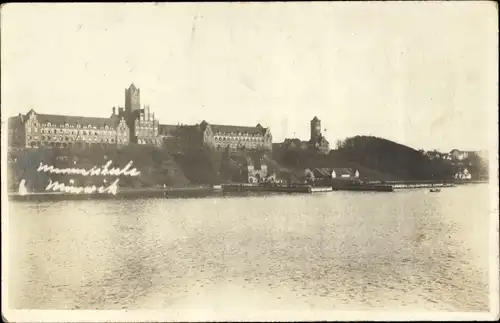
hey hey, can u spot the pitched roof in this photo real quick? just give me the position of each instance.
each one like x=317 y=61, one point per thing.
x=323 y=171
x=343 y=171
x=74 y=120
x=234 y=129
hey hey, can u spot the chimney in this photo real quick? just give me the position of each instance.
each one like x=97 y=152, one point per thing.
x=21 y=117
x=114 y=110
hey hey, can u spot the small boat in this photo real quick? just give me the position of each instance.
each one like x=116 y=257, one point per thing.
x=434 y=190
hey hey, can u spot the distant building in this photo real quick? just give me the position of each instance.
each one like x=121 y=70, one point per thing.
x=335 y=173
x=463 y=174
x=235 y=137
x=253 y=168
x=318 y=141
x=456 y=154
x=295 y=143
x=344 y=173
x=33 y=130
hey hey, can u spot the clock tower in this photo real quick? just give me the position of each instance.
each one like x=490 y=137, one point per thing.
x=315 y=130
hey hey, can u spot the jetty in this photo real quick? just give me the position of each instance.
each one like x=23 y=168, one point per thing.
x=353 y=185
x=364 y=188
x=227 y=188
x=422 y=185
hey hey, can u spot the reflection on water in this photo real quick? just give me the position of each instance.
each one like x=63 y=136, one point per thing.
x=407 y=250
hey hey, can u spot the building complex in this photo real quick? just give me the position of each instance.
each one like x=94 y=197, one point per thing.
x=139 y=125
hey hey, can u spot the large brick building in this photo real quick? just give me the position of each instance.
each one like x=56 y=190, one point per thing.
x=34 y=130
x=236 y=137
x=130 y=124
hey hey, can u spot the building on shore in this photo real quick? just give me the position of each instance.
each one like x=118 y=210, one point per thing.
x=130 y=124
x=235 y=137
x=335 y=173
x=463 y=174
x=34 y=130
x=317 y=141
x=253 y=168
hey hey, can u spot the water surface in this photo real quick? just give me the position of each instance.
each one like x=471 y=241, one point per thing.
x=408 y=250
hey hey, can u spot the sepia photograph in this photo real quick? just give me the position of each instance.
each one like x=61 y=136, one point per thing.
x=249 y=161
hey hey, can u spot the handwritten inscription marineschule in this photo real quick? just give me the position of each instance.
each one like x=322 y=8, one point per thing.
x=104 y=170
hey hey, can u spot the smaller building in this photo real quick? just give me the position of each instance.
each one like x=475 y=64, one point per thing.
x=253 y=168
x=335 y=173
x=294 y=143
x=345 y=173
x=458 y=155
x=256 y=169
x=463 y=174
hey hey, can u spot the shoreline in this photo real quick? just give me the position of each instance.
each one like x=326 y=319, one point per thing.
x=229 y=190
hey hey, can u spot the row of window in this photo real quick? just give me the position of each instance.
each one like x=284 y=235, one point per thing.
x=34 y=144
x=66 y=125
x=238 y=134
x=148 y=141
x=74 y=132
x=71 y=139
x=237 y=139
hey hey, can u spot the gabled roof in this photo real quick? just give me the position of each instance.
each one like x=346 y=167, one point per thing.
x=343 y=171
x=74 y=120
x=315 y=118
x=236 y=129
x=323 y=171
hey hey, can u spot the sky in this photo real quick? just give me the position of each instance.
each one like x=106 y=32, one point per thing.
x=421 y=74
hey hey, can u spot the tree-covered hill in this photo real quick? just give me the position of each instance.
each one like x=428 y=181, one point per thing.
x=375 y=158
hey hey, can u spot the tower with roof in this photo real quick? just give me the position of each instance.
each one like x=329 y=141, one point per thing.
x=315 y=129
x=132 y=99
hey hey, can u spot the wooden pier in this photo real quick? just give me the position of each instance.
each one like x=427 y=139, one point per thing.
x=274 y=188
